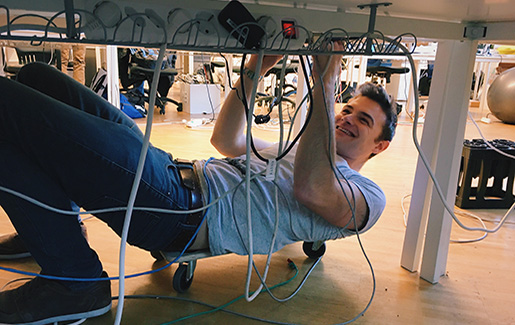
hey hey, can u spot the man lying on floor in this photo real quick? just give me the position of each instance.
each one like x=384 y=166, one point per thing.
x=63 y=145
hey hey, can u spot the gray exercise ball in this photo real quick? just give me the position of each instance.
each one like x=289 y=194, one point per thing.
x=501 y=96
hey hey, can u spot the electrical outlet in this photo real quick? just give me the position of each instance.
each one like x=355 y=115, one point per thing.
x=205 y=22
x=474 y=32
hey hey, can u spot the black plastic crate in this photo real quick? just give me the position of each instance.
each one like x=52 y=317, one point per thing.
x=486 y=179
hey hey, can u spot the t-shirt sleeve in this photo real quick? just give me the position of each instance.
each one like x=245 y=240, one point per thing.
x=374 y=197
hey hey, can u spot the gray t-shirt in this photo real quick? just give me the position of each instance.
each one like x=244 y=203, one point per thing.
x=227 y=220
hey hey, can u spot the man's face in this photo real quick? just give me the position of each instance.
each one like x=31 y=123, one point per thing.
x=358 y=125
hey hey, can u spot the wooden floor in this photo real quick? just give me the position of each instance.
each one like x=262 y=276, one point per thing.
x=478 y=288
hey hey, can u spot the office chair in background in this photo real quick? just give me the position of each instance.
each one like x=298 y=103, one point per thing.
x=32 y=54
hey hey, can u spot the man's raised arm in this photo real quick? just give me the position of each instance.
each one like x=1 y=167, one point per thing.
x=315 y=184
x=228 y=135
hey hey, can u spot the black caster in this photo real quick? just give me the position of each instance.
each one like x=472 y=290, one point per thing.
x=183 y=277
x=157 y=255
x=313 y=250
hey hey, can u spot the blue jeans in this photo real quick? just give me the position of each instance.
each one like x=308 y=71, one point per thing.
x=61 y=144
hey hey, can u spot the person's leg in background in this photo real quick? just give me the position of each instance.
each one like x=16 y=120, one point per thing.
x=77 y=59
x=79 y=63
x=65 y=56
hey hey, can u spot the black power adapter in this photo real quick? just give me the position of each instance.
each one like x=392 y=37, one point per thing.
x=238 y=21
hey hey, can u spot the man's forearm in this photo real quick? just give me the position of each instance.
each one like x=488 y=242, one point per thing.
x=230 y=123
x=228 y=135
x=315 y=184
x=316 y=149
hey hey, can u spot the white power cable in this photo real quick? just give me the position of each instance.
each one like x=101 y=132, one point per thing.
x=353 y=210
x=276 y=224
x=250 y=108
x=108 y=210
x=135 y=186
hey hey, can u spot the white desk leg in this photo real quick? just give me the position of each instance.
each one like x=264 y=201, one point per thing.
x=443 y=138
x=362 y=70
x=477 y=71
x=484 y=92
x=421 y=193
x=2 y=62
x=113 y=88
x=302 y=90
x=417 y=215
x=410 y=103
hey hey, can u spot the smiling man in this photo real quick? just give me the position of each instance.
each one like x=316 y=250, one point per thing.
x=358 y=120
x=63 y=145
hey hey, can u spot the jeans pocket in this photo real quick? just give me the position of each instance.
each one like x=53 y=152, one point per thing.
x=185 y=227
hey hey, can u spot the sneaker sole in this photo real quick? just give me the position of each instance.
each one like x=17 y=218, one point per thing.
x=14 y=256
x=71 y=317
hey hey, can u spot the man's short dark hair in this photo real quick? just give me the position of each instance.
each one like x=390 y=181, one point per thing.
x=379 y=95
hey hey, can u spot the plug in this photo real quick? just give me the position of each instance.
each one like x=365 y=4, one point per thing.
x=196 y=122
x=261 y=119
x=486 y=120
x=205 y=24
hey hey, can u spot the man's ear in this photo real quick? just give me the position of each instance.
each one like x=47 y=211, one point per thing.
x=380 y=146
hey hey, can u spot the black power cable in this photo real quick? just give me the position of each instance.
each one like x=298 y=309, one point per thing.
x=246 y=107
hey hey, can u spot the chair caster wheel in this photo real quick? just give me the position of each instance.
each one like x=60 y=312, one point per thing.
x=307 y=247
x=157 y=255
x=181 y=283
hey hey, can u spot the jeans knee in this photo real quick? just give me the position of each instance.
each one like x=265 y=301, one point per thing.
x=32 y=72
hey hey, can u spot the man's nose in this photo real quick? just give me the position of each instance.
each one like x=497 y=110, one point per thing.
x=349 y=118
